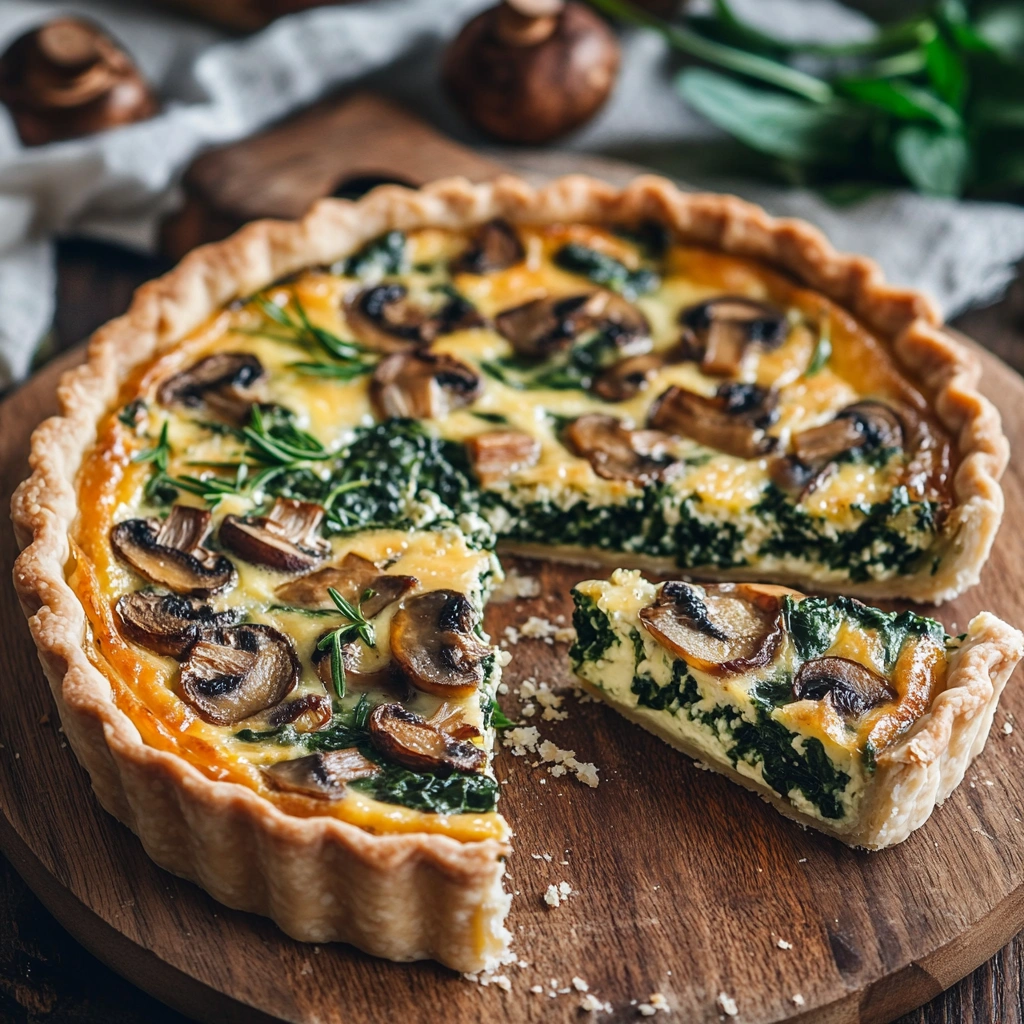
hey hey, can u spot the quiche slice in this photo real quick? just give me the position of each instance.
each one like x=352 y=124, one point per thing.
x=259 y=538
x=850 y=719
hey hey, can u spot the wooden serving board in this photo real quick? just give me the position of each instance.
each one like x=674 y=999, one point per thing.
x=684 y=882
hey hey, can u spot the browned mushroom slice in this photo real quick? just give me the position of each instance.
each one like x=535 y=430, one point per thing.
x=308 y=713
x=434 y=643
x=285 y=539
x=617 y=453
x=852 y=688
x=233 y=673
x=494 y=246
x=224 y=384
x=544 y=326
x=722 y=630
x=170 y=553
x=719 y=331
x=422 y=385
x=867 y=425
x=352 y=578
x=497 y=454
x=733 y=421
x=321 y=775
x=386 y=320
x=406 y=738
x=628 y=377
x=167 y=623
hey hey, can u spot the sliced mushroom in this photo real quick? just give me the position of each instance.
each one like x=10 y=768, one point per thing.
x=434 y=643
x=422 y=385
x=544 y=326
x=321 y=775
x=494 y=246
x=628 y=377
x=718 y=332
x=863 y=426
x=385 y=319
x=224 y=384
x=167 y=623
x=406 y=738
x=352 y=578
x=722 y=630
x=851 y=688
x=497 y=454
x=617 y=453
x=450 y=719
x=233 y=673
x=285 y=539
x=170 y=553
x=308 y=713
x=733 y=421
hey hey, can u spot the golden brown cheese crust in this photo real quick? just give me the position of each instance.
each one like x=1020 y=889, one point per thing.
x=186 y=819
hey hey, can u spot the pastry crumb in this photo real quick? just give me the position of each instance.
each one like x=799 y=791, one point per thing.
x=783 y=944
x=591 y=1004
x=798 y=1000
x=727 y=1004
x=655 y=1002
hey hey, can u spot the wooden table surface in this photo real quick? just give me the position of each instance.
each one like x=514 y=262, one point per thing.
x=47 y=978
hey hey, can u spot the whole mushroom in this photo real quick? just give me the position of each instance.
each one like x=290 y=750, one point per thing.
x=530 y=71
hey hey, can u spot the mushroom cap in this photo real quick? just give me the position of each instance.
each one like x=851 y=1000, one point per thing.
x=352 y=577
x=322 y=776
x=308 y=713
x=233 y=673
x=224 y=383
x=167 y=623
x=422 y=385
x=170 y=554
x=617 y=453
x=733 y=421
x=285 y=539
x=385 y=319
x=496 y=454
x=867 y=424
x=850 y=687
x=719 y=331
x=434 y=644
x=722 y=630
x=541 y=327
x=628 y=377
x=494 y=246
x=408 y=739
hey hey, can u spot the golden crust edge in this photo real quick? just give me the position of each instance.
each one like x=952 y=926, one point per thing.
x=163 y=310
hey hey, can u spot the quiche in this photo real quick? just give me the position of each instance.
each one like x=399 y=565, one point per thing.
x=260 y=536
x=836 y=712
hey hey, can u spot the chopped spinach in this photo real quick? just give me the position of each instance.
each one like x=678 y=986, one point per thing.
x=680 y=692
x=572 y=368
x=594 y=633
x=383 y=255
x=605 y=270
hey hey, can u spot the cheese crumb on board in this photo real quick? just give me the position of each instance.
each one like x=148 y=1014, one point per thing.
x=556 y=895
x=580 y=985
x=591 y=1004
x=727 y=1005
x=798 y=1000
x=655 y=1002
x=783 y=944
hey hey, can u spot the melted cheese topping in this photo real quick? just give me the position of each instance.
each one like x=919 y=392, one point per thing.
x=112 y=482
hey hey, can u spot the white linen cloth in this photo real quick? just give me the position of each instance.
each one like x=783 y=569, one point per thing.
x=214 y=88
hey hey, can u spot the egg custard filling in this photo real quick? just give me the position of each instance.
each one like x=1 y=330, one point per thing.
x=288 y=527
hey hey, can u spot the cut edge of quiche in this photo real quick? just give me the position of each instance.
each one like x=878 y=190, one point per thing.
x=852 y=720
x=187 y=818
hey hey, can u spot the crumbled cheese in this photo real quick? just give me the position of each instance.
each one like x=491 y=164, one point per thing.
x=655 y=1002
x=783 y=944
x=580 y=985
x=555 y=895
x=514 y=586
x=536 y=628
x=521 y=739
x=591 y=1004
x=537 y=989
x=798 y=999
x=727 y=1004
x=1007 y=728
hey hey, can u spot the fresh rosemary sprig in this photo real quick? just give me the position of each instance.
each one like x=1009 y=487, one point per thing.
x=281 y=444
x=349 y=354
x=356 y=626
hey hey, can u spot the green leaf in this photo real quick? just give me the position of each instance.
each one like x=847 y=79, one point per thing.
x=935 y=162
x=946 y=71
x=901 y=99
x=998 y=29
x=820 y=356
x=772 y=122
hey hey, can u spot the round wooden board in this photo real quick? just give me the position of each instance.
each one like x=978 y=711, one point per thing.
x=684 y=882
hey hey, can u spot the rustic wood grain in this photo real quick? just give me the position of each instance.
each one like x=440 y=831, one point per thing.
x=684 y=881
